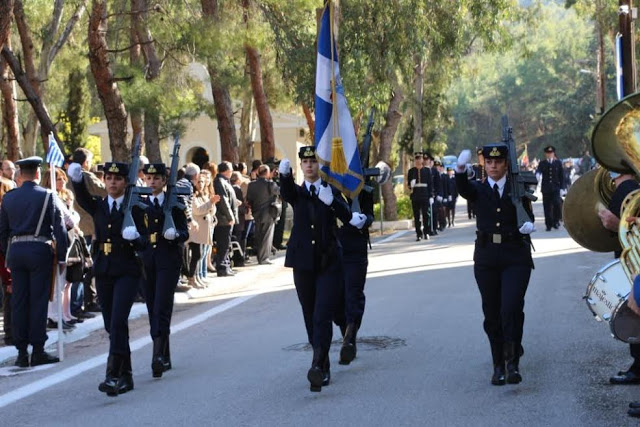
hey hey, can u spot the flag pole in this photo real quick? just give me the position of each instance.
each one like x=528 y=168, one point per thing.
x=56 y=268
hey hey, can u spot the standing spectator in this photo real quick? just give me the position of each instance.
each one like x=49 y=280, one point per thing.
x=9 y=171
x=586 y=163
x=211 y=170
x=262 y=195
x=203 y=207
x=142 y=163
x=254 y=169
x=186 y=177
x=238 y=229
x=278 y=232
x=227 y=214
x=5 y=275
x=568 y=172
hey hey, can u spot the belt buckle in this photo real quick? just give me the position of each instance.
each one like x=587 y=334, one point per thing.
x=496 y=238
x=153 y=237
x=107 y=248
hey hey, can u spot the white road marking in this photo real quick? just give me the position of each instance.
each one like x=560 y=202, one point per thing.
x=394 y=236
x=73 y=371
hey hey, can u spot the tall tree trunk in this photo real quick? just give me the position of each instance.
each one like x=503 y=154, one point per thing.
x=114 y=108
x=151 y=135
x=392 y=120
x=246 y=145
x=6 y=15
x=9 y=111
x=418 y=98
x=221 y=96
x=135 y=61
x=311 y=122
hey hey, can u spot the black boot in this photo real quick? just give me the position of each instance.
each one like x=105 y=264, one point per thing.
x=125 y=382
x=315 y=374
x=41 y=357
x=512 y=359
x=110 y=383
x=166 y=354
x=348 y=350
x=497 y=354
x=22 y=361
x=157 y=361
x=326 y=370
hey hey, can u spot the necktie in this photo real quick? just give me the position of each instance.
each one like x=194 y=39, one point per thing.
x=312 y=190
x=114 y=207
x=496 y=191
x=155 y=203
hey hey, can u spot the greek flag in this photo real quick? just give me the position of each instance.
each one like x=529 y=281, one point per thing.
x=54 y=155
x=335 y=139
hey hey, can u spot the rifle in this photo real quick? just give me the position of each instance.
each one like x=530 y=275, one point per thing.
x=367 y=172
x=132 y=193
x=171 y=196
x=518 y=180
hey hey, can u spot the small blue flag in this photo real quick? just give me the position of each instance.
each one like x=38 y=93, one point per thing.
x=54 y=155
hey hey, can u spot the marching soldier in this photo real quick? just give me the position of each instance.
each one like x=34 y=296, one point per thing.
x=453 y=197
x=502 y=259
x=443 y=196
x=162 y=263
x=117 y=267
x=479 y=174
x=29 y=223
x=434 y=193
x=420 y=183
x=552 y=178
x=315 y=254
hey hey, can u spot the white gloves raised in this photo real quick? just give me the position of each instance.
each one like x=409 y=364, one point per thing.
x=430 y=200
x=439 y=198
x=358 y=220
x=527 y=228
x=170 y=234
x=325 y=194
x=285 y=167
x=412 y=183
x=463 y=159
x=130 y=233
x=75 y=172
x=451 y=198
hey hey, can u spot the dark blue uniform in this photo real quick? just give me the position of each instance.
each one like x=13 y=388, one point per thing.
x=502 y=267
x=162 y=263
x=551 y=184
x=315 y=254
x=30 y=258
x=451 y=205
x=420 y=194
x=117 y=266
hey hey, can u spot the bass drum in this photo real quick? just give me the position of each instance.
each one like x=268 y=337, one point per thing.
x=625 y=324
x=607 y=289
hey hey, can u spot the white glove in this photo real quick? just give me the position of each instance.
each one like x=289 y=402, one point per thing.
x=325 y=195
x=412 y=183
x=170 y=234
x=430 y=200
x=451 y=198
x=285 y=167
x=563 y=193
x=439 y=198
x=75 y=172
x=527 y=228
x=463 y=159
x=130 y=233
x=358 y=220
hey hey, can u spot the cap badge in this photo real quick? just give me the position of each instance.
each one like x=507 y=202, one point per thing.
x=114 y=168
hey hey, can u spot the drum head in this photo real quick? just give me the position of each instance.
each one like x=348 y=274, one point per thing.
x=625 y=324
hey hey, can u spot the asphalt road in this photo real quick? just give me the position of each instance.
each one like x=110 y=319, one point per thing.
x=241 y=359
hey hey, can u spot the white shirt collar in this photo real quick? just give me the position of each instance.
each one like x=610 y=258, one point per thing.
x=501 y=183
x=118 y=201
x=160 y=198
x=316 y=184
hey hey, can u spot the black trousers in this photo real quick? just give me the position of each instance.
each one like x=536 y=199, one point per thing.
x=194 y=257
x=421 y=208
x=163 y=272
x=263 y=239
x=319 y=295
x=116 y=296
x=552 y=203
x=502 y=280
x=223 y=241
x=451 y=212
x=634 y=349
x=31 y=265
x=355 y=277
x=89 y=287
x=6 y=311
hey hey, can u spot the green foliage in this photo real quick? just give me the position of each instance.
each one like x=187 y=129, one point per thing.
x=75 y=120
x=404 y=208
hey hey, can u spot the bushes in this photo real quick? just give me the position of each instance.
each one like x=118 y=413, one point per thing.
x=403 y=205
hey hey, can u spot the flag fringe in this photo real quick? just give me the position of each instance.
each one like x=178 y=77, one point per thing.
x=338 y=159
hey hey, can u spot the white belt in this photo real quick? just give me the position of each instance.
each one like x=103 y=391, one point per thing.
x=41 y=239
x=420 y=185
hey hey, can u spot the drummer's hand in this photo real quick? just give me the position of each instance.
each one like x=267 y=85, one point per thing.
x=609 y=220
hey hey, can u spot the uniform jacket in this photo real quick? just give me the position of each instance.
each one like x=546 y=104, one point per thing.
x=154 y=218
x=422 y=176
x=552 y=176
x=354 y=241
x=227 y=208
x=123 y=259
x=20 y=213
x=260 y=194
x=95 y=187
x=496 y=216
x=313 y=244
x=436 y=182
x=453 y=189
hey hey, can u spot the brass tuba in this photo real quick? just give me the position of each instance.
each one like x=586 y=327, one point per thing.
x=630 y=235
x=586 y=197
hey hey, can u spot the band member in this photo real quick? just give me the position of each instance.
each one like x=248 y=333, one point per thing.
x=552 y=182
x=452 y=199
x=29 y=222
x=315 y=254
x=442 y=198
x=634 y=297
x=429 y=163
x=421 y=185
x=117 y=267
x=162 y=263
x=354 y=237
x=502 y=259
x=625 y=184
